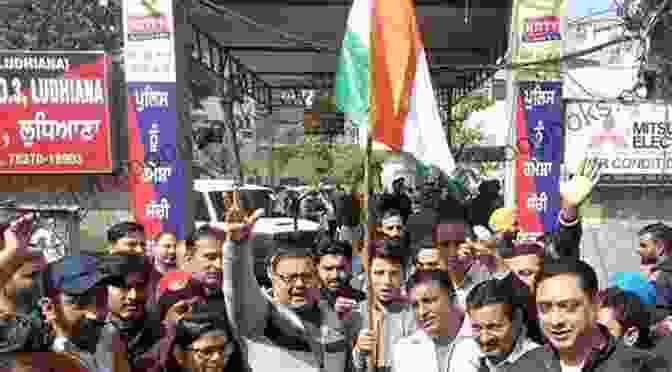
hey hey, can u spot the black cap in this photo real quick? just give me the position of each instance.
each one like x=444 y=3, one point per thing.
x=114 y=269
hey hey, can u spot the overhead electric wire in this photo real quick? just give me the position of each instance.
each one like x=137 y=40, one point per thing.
x=222 y=10
x=321 y=46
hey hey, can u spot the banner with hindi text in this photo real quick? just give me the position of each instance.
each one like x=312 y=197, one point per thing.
x=539 y=134
x=157 y=191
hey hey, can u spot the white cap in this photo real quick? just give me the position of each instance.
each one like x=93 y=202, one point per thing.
x=482 y=233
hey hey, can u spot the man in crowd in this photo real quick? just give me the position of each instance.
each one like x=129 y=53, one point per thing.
x=129 y=238
x=568 y=304
x=392 y=224
x=428 y=258
x=204 y=259
x=523 y=259
x=484 y=250
x=439 y=320
x=69 y=320
x=450 y=236
x=655 y=250
x=501 y=338
x=420 y=225
x=126 y=279
x=397 y=199
x=74 y=316
x=333 y=260
x=126 y=238
x=625 y=317
x=487 y=201
x=393 y=317
x=290 y=326
x=390 y=228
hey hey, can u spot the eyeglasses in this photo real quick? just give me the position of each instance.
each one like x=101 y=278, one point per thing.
x=79 y=300
x=209 y=352
x=292 y=279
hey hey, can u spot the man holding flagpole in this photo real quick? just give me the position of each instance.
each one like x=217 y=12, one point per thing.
x=383 y=83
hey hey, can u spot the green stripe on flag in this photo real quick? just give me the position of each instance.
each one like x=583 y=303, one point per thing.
x=422 y=169
x=352 y=78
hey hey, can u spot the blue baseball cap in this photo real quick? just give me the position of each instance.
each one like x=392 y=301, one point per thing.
x=635 y=283
x=74 y=274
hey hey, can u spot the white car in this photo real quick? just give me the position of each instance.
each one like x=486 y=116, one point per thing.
x=210 y=208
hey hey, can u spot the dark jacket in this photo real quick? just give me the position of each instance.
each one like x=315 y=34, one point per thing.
x=664 y=283
x=139 y=339
x=565 y=242
x=614 y=357
x=525 y=299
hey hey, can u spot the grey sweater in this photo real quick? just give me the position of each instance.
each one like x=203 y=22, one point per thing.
x=398 y=322
x=265 y=328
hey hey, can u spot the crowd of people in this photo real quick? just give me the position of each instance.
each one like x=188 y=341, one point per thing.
x=453 y=288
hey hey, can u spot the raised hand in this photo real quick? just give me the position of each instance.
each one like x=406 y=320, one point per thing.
x=344 y=307
x=17 y=235
x=235 y=230
x=53 y=318
x=574 y=192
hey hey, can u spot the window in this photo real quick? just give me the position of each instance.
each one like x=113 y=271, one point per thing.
x=499 y=89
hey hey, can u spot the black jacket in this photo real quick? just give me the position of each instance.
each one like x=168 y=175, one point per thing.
x=565 y=242
x=664 y=284
x=614 y=357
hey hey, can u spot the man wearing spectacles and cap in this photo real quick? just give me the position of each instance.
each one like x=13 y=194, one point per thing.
x=288 y=328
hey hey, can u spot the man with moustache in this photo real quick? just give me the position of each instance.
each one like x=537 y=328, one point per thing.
x=126 y=280
x=655 y=251
x=204 y=259
x=450 y=239
x=333 y=260
x=74 y=318
x=391 y=227
x=500 y=335
x=129 y=239
x=568 y=303
x=393 y=316
x=288 y=329
x=70 y=321
x=439 y=320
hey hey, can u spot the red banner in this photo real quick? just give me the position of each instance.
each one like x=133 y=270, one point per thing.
x=54 y=112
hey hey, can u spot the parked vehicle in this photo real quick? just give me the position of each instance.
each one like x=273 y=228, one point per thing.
x=211 y=206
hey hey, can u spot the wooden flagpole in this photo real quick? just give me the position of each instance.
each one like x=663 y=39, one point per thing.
x=370 y=227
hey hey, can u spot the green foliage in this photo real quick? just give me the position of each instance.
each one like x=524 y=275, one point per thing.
x=61 y=25
x=314 y=159
x=460 y=135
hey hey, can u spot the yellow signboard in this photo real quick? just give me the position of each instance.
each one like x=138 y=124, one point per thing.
x=538 y=29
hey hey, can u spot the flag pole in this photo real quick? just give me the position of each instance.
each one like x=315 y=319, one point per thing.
x=368 y=237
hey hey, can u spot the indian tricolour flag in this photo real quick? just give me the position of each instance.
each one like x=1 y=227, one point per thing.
x=383 y=82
